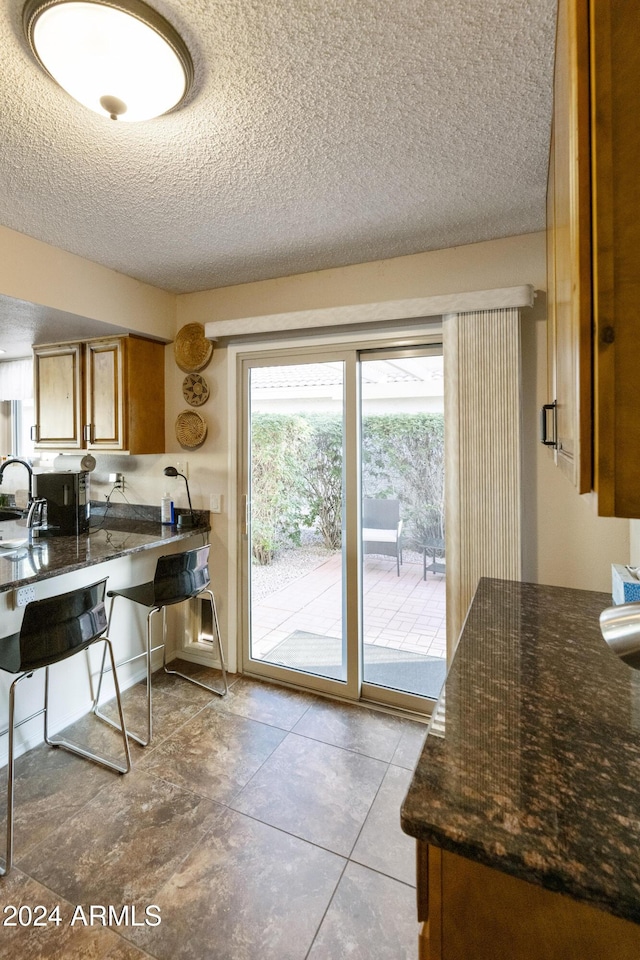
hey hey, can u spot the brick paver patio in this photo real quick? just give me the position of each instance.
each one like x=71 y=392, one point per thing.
x=403 y=613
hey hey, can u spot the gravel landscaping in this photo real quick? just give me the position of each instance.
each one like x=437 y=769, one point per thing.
x=288 y=565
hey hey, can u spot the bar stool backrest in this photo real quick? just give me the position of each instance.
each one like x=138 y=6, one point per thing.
x=180 y=576
x=58 y=627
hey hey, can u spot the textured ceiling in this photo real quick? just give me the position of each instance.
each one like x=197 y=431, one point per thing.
x=319 y=133
x=23 y=323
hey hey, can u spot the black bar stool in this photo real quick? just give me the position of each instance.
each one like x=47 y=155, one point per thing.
x=52 y=630
x=178 y=577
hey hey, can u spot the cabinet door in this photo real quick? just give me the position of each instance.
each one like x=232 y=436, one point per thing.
x=104 y=428
x=58 y=396
x=569 y=240
x=615 y=127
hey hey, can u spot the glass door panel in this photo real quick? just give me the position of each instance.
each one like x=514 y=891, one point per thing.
x=402 y=521
x=295 y=531
x=343 y=553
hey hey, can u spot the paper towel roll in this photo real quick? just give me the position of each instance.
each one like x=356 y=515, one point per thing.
x=66 y=462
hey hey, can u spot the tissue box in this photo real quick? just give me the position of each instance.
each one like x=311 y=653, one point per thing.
x=625 y=587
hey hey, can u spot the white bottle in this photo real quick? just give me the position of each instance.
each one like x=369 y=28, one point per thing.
x=167 y=513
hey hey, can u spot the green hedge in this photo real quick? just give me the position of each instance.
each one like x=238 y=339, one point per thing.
x=279 y=445
x=296 y=476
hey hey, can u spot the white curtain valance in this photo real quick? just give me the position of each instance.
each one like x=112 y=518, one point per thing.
x=16 y=379
x=386 y=310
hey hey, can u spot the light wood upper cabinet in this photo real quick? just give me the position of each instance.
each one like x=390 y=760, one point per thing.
x=119 y=401
x=58 y=380
x=104 y=394
x=615 y=130
x=593 y=251
x=569 y=251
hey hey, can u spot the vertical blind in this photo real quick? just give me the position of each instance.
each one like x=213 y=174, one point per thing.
x=483 y=454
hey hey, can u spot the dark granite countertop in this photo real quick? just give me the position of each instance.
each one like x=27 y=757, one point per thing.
x=532 y=761
x=108 y=538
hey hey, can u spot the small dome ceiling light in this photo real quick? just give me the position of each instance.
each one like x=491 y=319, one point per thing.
x=121 y=58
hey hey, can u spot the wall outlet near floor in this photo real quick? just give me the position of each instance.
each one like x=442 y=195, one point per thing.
x=24 y=595
x=215 y=503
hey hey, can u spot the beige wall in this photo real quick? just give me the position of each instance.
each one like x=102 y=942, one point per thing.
x=478 y=266
x=565 y=543
x=572 y=546
x=635 y=543
x=206 y=467
x=39 y=273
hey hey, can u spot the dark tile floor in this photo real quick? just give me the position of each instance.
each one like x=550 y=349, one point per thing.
x=264 y=825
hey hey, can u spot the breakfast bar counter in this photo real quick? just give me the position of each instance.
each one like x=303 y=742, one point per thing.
x=107 y=539
x=528 y=786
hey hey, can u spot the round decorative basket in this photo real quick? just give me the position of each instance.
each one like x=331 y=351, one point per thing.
x=195 y=389
x=191 y=428
x=192 y=349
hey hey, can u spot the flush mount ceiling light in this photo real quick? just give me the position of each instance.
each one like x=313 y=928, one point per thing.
x=121 y=59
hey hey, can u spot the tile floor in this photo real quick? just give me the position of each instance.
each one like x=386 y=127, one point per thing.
x=406 y=612
x=264 y=826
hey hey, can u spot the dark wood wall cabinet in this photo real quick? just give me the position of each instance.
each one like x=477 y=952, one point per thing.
x=593 y=254
x=104 y=394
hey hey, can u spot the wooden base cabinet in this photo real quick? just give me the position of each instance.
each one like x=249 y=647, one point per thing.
x=593 y=252
x=472 y=912
x=103 y=394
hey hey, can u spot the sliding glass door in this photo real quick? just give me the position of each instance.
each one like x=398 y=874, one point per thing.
x=343 y=592
x=403 y=623
x=298 y=574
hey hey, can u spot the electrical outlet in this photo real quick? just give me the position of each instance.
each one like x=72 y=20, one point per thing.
x=117 y=479
x=25 y=595
x=215 y=503
x=183 y=467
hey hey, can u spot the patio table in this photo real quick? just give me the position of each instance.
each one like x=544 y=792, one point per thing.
x=435 y=548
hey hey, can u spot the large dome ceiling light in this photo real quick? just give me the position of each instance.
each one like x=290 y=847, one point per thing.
x=121 y=59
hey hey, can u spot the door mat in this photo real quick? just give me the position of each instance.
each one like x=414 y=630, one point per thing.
x=384 y=666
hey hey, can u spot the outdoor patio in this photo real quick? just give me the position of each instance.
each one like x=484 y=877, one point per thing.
x=404 y=635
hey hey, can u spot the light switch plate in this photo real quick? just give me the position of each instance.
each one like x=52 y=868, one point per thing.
x=215 y=503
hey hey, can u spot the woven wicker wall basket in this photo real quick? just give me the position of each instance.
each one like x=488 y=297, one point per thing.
x=191 y=348
x=191 y=428
x=195 y=389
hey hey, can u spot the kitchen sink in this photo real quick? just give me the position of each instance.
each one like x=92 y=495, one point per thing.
x=7 y=514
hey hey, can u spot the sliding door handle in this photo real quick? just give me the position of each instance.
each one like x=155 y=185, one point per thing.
x=245 y=516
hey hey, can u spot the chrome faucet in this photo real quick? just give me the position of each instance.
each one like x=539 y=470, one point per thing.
x=36 y=517
x=27 y=466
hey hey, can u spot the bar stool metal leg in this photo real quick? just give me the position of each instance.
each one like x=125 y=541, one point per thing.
x=96 y=699
x=144 y=742
x=214 y=618
x=8 y=861
x=178 y=578
x=76 y=748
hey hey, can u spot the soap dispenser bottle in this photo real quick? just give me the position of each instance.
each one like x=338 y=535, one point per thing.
x=167 y=512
